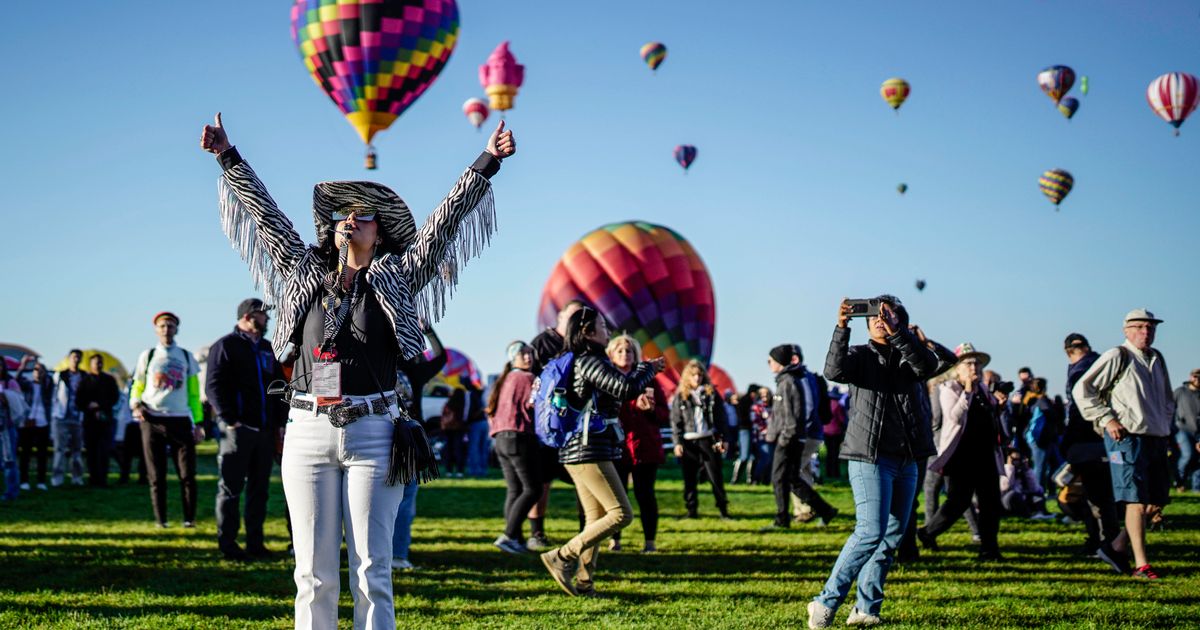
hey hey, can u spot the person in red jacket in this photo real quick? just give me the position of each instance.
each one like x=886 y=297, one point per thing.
x=641 y=420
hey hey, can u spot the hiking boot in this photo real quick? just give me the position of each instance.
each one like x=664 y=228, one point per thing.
x=927 y=541
x=537 y=542
x=858 y=618
x=1145 y=572
x=819 y=615
x=1115 y=559
x=561 y=570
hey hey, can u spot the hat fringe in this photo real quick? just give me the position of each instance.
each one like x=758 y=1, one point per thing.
x=238 y=225
x=474 y=234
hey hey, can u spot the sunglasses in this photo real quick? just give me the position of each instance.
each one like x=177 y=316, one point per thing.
x=359 y=214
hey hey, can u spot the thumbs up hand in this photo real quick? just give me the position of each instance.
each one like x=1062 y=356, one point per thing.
x=213 y=138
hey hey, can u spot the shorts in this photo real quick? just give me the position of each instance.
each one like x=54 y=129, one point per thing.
x=1141 y=471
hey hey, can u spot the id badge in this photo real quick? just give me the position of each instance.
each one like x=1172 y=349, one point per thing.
x=327 y=382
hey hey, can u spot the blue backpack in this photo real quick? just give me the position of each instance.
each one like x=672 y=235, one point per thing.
x=554 y=419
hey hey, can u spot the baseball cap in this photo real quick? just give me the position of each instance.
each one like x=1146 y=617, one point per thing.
x=1141 y=315
x=251 y=305
x=1075 y=340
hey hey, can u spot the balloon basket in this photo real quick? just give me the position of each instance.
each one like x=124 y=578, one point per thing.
x=369 y=162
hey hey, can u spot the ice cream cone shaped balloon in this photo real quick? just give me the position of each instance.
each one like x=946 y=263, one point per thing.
x=501 y=78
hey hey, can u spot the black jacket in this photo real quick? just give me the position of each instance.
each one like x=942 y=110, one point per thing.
x=547 y=345
x=683 y=416
x=1078 y=430
x=420 y=371
x=100 y=389
x=593 y=374
x=238 y=376
x=788 y=419
x=879 y=376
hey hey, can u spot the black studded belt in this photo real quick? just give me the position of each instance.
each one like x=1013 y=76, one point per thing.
x=345 y=412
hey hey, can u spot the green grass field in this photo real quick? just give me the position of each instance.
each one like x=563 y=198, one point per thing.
x=84 y=558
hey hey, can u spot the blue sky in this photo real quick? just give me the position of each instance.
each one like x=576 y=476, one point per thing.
x=110 y=208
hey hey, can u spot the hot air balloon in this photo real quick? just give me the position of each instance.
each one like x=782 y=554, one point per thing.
x=1055 y=184
x=654 y=54
x=902 y=188
x=685 y=154
x=721 y=380
x=895 y=91
x=1056 y=81
x=1067 y=106
x=648 y=281
x=1173 y=97
x=460 y=371
x=920 y=284
x=476 y=110
x=374 y=59
x=501 y=78
x=1083 y=84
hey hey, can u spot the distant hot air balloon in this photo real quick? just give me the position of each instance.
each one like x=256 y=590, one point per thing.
x=685 y=154
x=501 y=78
x=374 y=60
x=1067 y=106
x=902 y=188
x=1056 y=81
x=1173 y=97
x=1083 y=84
x=920 y=285
x=721 y=380
x=647 y=281
x=476 y=110
x=895 y=91
x=112 y=365
x=1055 y=184
x=654 y=54
x=460 y=371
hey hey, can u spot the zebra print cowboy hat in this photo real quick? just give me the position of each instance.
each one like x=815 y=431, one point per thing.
x=334 y=201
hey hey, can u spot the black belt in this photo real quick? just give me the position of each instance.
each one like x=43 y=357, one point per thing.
x=343 y=413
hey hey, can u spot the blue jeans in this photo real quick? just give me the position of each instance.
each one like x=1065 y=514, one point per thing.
x=764 y=454
x=1186 y=443
x=743 y=445
x=12 y=475
x=883 y=495
x=402 y=535
x=477 y=448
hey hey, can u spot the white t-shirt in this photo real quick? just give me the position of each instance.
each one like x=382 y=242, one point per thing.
x=166 y=376
x=37 y=412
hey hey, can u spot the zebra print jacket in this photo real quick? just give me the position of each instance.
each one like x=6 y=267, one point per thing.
x=409 y=285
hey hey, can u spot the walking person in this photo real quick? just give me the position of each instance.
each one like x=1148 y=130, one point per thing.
x=1187 y=435
x=165 y=399
x=349 y=312
x=793 y=417
x=641 y=419
x=1127 y=395
x=33 y=436
x=697 y=415
x=478 y=443
x=98 y=395
x=969 y=456
x=885 y=438
x=745 y=429
x=66 y=424
x=454 y=430
x=510 y=409
x=589 y=452
x=764 y=449
x=241 y=368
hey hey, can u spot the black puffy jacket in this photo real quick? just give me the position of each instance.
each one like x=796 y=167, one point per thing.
x=593 y=374
x=882 y=375
x=683 y=416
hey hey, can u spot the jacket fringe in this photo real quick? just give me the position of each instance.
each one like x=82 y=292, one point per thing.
x=238 y=225
x=474 y=234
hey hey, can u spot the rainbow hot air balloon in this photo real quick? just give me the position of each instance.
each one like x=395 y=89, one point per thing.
x=1056 y=81
x=721 y=380
x=501 y=77
x=375 y=58
x=1068 y=106
x=1173 y=97
x=1055 y=184
x=654 y=54
x=895 y=91
x=460 y=371
x=476 y=111
x=648 y=281
x=685 y=154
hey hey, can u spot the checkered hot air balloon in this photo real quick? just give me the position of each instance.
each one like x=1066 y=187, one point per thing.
x=647 y=281
x=654 y=54
x=374 y=58
x=1056 y=81
x=1173 y=97
x=1055 y=184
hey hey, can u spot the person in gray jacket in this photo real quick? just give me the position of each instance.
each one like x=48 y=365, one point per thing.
x=1187 y=434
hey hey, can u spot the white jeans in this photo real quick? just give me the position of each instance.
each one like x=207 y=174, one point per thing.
x=334 y=482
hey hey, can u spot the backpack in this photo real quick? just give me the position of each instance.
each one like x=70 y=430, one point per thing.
x=1125 y=360
x=554 y=420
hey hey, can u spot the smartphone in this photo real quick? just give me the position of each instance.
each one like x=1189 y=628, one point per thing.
x=864 y=308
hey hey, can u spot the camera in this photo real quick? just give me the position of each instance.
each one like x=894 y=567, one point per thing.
x=864 y=308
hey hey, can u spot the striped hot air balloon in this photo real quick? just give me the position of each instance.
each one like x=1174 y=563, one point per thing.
x=1056 y=81
x=1173 y=97
x=1055 y=184
x=654 y=54
x=895 y=91
x=648 y=281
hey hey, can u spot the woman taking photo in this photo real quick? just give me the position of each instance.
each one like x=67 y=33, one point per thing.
x=697 y=415
x=640 y=419
x=510 y=413
x=590 y=452
x=348 y=312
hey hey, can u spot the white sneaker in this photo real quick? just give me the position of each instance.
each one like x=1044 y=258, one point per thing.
x=25 y=486
x=819 y=615
x=42 y=486
x=77 y=481
x=511 y=546
x=857 y=618
x=56 y=482
x=400 y=564
x=189 y=525
x=1044 y=516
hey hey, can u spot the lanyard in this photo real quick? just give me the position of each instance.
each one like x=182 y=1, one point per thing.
x=336 y=315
